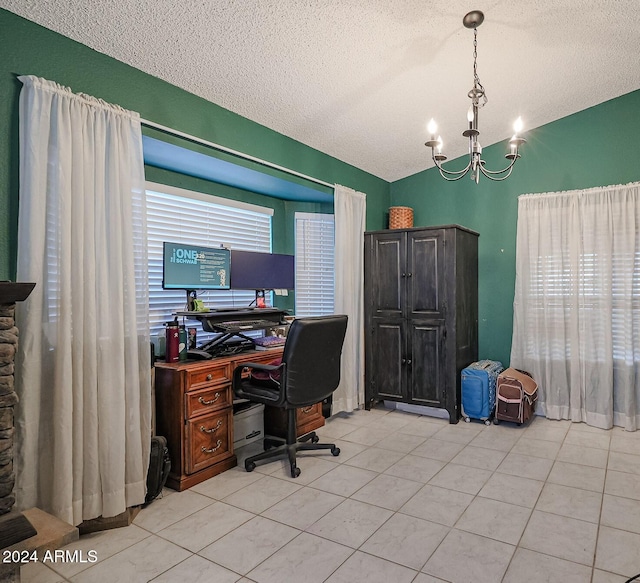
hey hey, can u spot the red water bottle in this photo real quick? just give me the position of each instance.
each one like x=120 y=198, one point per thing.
x=172 y=344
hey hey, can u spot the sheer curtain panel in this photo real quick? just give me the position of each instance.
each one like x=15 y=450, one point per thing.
x=83 y=374
x=576 y=318
x=350 y=216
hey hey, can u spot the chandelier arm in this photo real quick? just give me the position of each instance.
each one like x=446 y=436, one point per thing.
x=451 y=179
x=492 y=175
x=443 y=171
x=497 y=172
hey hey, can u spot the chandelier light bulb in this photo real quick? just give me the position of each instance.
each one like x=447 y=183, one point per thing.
x=470 y=114
x=518 y=125
x=432 y=127
x=439 y=145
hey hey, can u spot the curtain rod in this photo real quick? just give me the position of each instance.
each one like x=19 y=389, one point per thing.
x=191 y=138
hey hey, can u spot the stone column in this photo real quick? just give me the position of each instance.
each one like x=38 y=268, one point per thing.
x=14 y=526
x=8 y=399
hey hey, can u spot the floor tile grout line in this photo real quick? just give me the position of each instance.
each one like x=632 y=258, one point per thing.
x=604 y=487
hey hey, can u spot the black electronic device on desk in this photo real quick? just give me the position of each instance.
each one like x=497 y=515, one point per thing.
x=224 y=319
x=232 y=323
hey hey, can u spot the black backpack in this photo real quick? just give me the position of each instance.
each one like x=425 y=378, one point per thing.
x=159 y=467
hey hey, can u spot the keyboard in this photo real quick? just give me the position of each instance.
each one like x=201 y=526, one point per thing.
x=269 y=341
x=239 y=325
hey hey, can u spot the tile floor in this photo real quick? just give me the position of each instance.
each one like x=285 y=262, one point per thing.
x=409 y=499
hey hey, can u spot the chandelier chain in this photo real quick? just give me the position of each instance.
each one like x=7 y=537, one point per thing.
x=476 y=79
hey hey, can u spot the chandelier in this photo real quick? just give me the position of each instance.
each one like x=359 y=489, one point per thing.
x=478 y=99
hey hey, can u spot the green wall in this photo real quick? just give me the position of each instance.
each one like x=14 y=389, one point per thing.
x=595 y=147
x=29 y=49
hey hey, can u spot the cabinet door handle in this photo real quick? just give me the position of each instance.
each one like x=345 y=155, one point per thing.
x=201 y=400
x=213 y=429
x=307 y=409
x=404 y=275
x=212 y=449
x=404 y=361
x=409 y=362
x=209 y=377
x=410 y=274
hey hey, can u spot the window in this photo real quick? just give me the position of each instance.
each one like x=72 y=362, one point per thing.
x=183 y=216
x=589 y=278
x=315 y=274
x=576 y=308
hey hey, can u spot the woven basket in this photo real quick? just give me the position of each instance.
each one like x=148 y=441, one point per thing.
x=400 y=217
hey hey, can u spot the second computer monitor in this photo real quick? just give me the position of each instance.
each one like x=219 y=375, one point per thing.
x=262 y=271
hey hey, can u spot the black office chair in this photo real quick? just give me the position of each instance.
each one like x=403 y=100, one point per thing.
x=308 y=374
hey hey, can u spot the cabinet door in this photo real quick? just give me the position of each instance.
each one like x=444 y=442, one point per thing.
x=385 y=273
x=425 y=275
x=384 y=368
x=425 y=363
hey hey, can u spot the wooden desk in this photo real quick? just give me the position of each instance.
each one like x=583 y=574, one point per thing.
x=194 y=411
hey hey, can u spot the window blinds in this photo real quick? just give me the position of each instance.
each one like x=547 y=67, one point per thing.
x=315 y=279
x=189 y=217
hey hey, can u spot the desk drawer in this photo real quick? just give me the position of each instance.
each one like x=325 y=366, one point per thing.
x=207 y=400
x=208 y=376
x=307 y=419
x=209 y=440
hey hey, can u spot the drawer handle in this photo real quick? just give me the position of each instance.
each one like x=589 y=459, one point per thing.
x=212 y=449
x=307 y=409
x=201 y=400
x=209 y=377
x=213 y=429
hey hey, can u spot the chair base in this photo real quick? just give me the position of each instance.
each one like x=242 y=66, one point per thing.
x=289 y=450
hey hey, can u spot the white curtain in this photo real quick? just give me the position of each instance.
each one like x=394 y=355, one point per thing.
x=350 y=218
x=577 y=303
x=83 y=374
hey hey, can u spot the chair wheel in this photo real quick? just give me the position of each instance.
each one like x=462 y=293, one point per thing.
x=467 y=420
x=249 y=466
x=295 y=471
x=335 y=451
x=496 y=421
x=315 y=439
x=487 y=422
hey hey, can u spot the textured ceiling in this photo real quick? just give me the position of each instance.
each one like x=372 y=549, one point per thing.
x=359 y=79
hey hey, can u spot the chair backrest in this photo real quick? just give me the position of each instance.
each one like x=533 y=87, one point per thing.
x=312 y=357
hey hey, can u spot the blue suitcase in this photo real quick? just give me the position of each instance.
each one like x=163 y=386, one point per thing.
x=479 y=390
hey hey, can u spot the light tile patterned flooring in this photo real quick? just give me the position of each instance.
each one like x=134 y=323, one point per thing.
x=409 y=499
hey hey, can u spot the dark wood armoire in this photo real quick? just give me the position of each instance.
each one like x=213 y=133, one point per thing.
x=421 y=314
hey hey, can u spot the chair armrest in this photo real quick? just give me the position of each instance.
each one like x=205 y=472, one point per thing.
x=260 y=366
x=238 y=381
x=237 y=372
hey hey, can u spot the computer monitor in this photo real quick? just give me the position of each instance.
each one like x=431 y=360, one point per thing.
x=262 y=271
x=192 y=268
